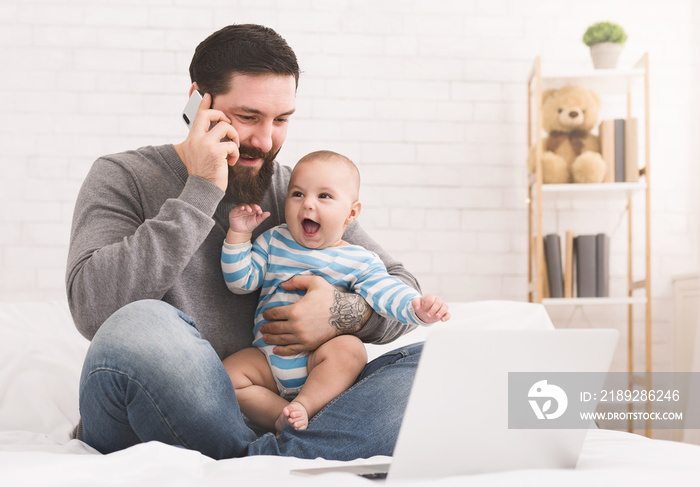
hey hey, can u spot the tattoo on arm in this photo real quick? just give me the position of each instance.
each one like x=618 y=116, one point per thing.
x=348 y=312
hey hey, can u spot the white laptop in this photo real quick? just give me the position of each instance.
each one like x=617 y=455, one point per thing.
x=457 y=417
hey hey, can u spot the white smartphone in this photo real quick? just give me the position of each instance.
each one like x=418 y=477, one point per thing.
x=190 y=110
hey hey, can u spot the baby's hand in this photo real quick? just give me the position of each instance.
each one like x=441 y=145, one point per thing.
x=246 y=218
x=431 y=309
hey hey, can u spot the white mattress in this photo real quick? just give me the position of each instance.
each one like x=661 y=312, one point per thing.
x=41 y=355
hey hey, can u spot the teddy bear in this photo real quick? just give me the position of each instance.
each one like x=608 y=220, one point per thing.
x=571 y=153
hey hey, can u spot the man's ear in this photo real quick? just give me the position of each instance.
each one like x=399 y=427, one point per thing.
x=354 y=212
x=194 y=86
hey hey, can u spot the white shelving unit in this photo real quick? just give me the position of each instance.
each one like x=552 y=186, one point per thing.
x=624 y=83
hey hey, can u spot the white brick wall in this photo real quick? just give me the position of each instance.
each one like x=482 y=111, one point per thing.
x=427 y=96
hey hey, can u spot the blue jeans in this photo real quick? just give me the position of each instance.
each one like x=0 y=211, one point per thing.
x=149 y=376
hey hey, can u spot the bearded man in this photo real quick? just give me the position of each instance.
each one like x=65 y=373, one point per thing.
x=144 y=282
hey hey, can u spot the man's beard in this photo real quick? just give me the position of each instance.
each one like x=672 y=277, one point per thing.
x=245 y=185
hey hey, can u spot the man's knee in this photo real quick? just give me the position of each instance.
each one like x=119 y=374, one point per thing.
x=146 y=317
x=141 y=333
x=148 y=312
x=405 y=358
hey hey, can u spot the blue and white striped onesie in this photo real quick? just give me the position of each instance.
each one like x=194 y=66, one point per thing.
x=276 y=257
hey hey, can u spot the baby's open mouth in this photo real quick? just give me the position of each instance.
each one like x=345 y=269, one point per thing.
x=310 y=227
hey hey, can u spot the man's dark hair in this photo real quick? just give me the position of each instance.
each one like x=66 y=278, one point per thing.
x=240 y=49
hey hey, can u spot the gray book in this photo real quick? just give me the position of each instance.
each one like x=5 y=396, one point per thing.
x=555 y=276
x=620 y=150
x=584 y=252
x=602 y=255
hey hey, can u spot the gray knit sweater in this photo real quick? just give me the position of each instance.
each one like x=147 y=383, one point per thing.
x=144 y=229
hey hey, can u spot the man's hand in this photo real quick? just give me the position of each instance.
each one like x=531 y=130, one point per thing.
x=321 y=314
x=209 y=149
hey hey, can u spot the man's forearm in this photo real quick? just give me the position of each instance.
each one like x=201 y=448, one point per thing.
x=349 y=312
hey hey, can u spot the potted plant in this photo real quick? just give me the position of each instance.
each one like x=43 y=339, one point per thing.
x=605 y=40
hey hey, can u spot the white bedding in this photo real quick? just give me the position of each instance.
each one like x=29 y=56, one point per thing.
x=41 y=354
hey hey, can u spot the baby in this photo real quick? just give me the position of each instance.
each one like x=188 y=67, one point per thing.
x=322 y=200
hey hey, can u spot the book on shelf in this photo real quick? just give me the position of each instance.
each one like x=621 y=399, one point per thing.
x=602 y=269
x=569 y=265
x=606 y=135
x=552 y=252
x=592 y=255
x=619 y=150
x=618 y=147
x=583 y=270
x=631 y=150
x=584 y=252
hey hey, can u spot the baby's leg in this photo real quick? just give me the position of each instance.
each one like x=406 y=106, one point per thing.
x=256 y=389
x=333 y=367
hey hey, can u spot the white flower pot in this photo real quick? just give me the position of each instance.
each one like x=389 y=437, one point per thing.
x=605 y=55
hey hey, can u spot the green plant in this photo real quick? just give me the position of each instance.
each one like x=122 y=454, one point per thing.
x=604 y=32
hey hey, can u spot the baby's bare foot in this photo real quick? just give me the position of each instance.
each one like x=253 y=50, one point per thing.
x=293 y=415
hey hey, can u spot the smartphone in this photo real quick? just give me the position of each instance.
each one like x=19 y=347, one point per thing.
x=190 y=110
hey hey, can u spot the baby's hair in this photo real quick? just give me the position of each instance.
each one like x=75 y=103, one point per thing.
x=334 y=157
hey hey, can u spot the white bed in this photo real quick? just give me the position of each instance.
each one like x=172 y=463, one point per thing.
x=41 y=355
